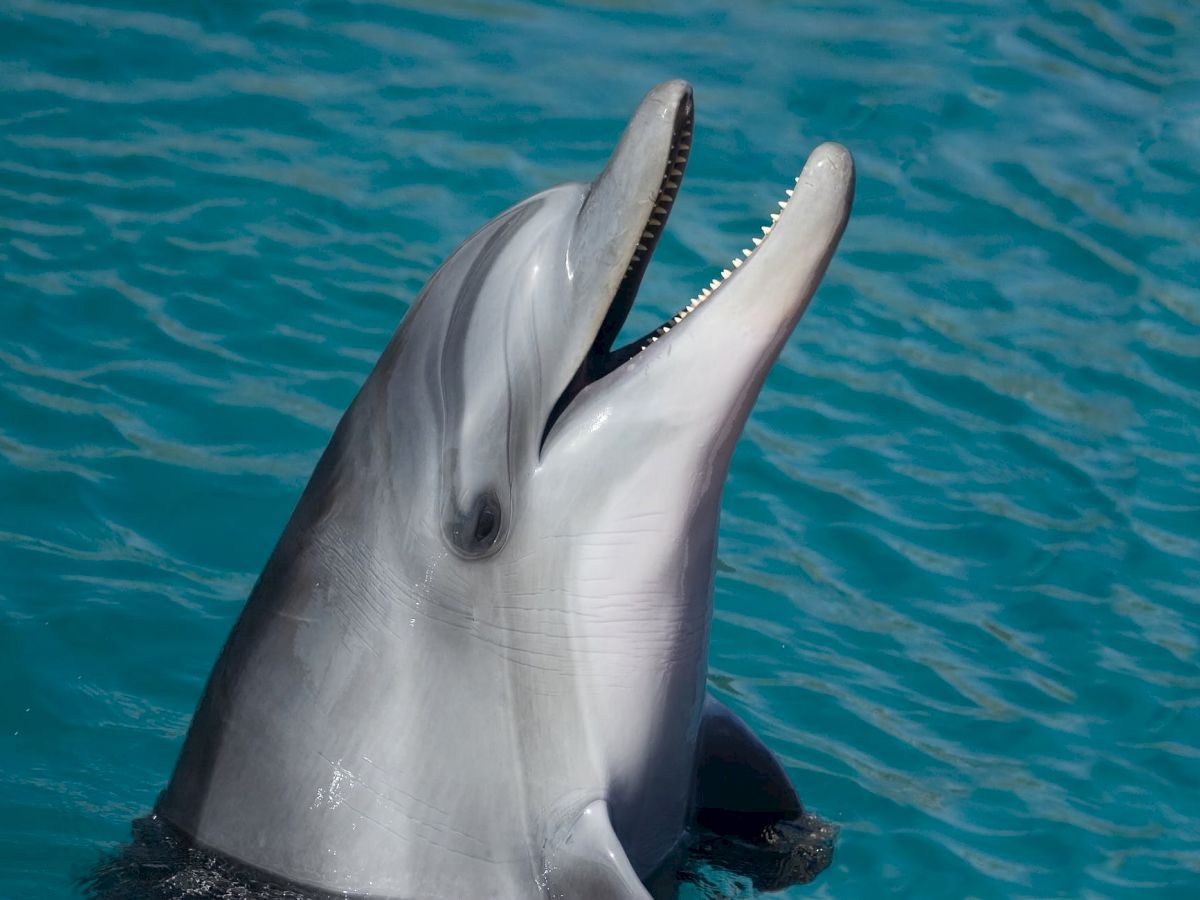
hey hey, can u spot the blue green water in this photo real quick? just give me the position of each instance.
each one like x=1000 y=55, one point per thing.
x=960 y=546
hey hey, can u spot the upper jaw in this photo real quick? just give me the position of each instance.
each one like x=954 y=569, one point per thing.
x=640 y=184
x=615 y=220
x=618 y=226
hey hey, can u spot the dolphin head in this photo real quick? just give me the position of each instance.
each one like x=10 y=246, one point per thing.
x=510 y=328
x=504 y=386
x=578 y=482
x=490 y=609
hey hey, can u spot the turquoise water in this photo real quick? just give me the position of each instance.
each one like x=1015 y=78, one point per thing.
x=961 y=539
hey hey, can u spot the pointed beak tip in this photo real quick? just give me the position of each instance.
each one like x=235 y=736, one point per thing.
x=830 y=165
x=676 y=89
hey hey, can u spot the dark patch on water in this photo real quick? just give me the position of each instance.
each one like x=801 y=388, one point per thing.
x=159 y=863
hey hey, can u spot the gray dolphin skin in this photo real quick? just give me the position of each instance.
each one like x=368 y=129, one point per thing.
x=474 y=665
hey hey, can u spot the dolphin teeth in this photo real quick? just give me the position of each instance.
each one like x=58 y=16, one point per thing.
x=673 y=185
x=659 y=211
x=655 y=222
x=789 y=192
x=736 y=263
x=676 y=173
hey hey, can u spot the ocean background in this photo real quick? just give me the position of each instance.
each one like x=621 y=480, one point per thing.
x=960 y=544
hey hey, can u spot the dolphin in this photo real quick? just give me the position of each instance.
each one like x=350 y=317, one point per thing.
x=474 y=664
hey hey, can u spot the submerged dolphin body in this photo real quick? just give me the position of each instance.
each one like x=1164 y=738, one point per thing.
x=474 y=665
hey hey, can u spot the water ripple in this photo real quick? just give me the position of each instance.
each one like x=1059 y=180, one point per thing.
x=959 y=555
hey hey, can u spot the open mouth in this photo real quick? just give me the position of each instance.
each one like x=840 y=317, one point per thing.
x=602 y=358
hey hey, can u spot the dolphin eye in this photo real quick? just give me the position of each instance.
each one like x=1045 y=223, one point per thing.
x=487 y=524
x=477 y=532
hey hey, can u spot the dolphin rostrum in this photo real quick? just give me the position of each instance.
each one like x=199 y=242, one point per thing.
x=474 y=665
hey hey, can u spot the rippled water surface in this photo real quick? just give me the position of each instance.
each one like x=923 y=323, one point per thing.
x=960 y=544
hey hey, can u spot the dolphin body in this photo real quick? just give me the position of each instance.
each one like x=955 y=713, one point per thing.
x=474 y=665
